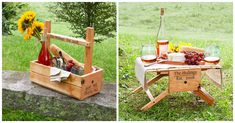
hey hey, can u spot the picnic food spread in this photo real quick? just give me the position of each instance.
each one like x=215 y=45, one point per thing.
x=183 y=64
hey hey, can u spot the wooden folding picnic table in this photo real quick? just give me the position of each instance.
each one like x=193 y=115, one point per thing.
x=182 y=79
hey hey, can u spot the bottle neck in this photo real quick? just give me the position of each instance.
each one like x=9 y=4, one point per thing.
x=162 y=21
x=161 y=31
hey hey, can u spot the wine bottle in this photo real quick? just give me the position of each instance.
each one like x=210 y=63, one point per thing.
x=162 y=42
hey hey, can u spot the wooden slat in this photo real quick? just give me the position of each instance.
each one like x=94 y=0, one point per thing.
x=39 y=68
x=156 y=100
x=173 y=63
x=89 y=50
x=178 y=63
x=64 y=88
x=78 y=41
x=185 y=67
x=93 y=72
x=201 y=92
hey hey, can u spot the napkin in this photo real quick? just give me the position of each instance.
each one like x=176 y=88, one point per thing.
x=140 y=69
x=58 y=75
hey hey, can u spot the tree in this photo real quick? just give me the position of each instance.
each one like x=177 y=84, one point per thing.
x=100 y=15
x=9 y=14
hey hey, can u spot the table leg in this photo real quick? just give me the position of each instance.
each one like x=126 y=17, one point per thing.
x=215 y=75
x=155 y=100
x=149 y=83
x=201 y=92
x=149 y=94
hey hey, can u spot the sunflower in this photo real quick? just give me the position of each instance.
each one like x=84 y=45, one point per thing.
x=176 y=48
x=27 y=37
x=29 y=16
x=28 y=26
x=173 y=48
x=37 y=28
x=20 y=26
x=26 y=21
x=29 y=33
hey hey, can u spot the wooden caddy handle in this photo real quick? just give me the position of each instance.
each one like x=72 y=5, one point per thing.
x=88 y=43
x=77 y=41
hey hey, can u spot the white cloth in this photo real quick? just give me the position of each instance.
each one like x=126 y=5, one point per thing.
x=58 y=75
x=140 y=69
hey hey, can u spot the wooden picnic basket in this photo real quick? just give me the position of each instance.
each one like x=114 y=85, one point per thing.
x=79 y=87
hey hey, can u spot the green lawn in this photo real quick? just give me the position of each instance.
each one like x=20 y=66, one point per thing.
x=18 y=115
x=201 y=24
x=17 y=53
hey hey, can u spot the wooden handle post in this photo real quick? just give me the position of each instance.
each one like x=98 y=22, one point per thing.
x=89 y=50
x=47 y=29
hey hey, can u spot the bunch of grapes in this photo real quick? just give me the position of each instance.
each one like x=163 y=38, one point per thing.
x=193 y=58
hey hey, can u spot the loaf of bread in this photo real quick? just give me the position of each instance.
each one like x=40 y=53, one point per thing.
x=189 y=48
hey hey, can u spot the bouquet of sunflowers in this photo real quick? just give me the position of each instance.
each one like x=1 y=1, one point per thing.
x=176 y=48
x=29 y=26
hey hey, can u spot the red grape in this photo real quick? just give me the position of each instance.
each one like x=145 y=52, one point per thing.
x=70 y=61
x=201 y=54
x=193 y=58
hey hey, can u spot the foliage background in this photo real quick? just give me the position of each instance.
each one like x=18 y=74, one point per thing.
x=100 y=15
x=10 y=11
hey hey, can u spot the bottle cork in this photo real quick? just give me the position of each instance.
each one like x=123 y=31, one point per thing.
x=162 y=11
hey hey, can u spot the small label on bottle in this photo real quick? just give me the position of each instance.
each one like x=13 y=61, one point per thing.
x=162 y=47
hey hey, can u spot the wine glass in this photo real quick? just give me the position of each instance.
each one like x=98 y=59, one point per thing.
x=148 y=54
x=212 y=54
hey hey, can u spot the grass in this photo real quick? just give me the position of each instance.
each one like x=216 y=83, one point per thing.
x=9 y=115
x=201 y=24
x=17 y=53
